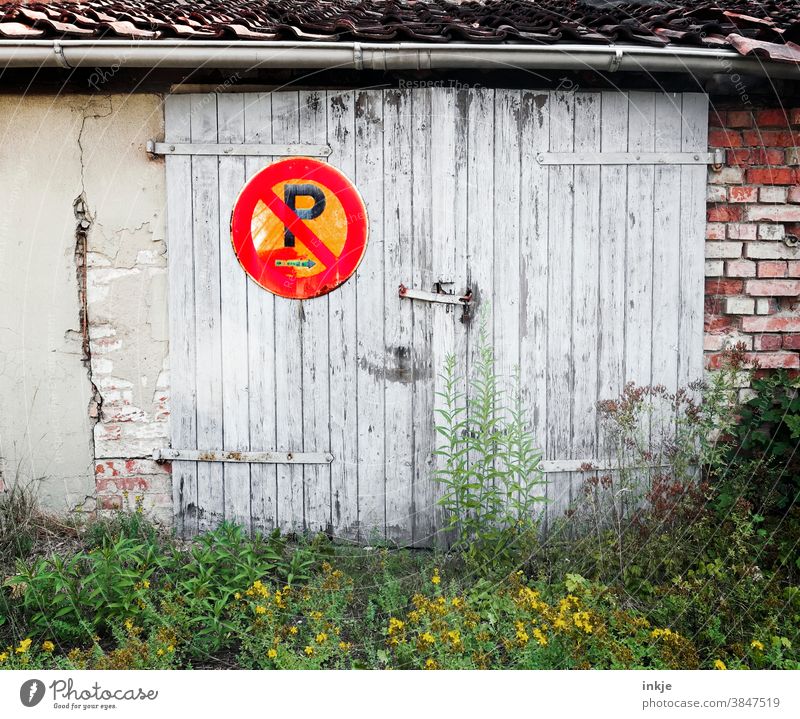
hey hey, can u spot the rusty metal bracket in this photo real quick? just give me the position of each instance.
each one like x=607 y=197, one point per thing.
x=466 y=300
x=218 y=455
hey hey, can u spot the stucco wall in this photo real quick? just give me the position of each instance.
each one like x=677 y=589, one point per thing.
x=59 y=421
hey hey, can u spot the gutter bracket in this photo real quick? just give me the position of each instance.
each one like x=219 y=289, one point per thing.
x=61 y=60
x=616 y=60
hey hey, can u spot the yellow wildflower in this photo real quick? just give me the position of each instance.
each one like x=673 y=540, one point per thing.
x=237 y=595
x=457 y=602
x=279 y=600
x=260 y=609
x=522 y=635
x=431 y=664
x=321 y=638
x=719 y=664
x=344 y=646
x=170 y=648
x=23 y=646
x=146 y=583
x=309 y=651
x=3 y=656
x=436 y=579
x=758 y=646
x=272 y=653
x=292 y=630
x=48 y=646
x=160 y=652
x=316 y=616
x=128 y=625
x=539 y=636
x=427 y=638
x=395 y=625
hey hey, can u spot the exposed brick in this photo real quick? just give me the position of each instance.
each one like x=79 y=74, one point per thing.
x=718 y=323
x=743 y=193
x=773 y=288
x=724 y=287
x=773 y=117
x=110 y=502
x=791 y=342
x=771 y=324
x=738 y=119
x=726 y=176
x=772 y=213
x=713 y=343
x=717 y=118
x=792 y=156
x=715 y=268
x=769 y=138
x=793 y=268
x=740 y=268
x=724 y=138
x=770 y=232
x=740 y=306
x=771 y=194
x=723 y=250
x=764 y=306
x=742 y=231
x=715 y=230
x=771 y=175
x=716 y=193
x=767 y=343
x=772 y=268
x=770 y=251
x=794 y=194
x=776 y=360
x=724 y=213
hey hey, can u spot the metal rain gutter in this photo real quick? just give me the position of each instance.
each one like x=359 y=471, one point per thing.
x=184 y=54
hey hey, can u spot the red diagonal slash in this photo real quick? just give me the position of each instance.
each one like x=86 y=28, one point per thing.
x=300 y=229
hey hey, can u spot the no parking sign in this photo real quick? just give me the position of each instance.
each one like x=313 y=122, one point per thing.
x=299 y=228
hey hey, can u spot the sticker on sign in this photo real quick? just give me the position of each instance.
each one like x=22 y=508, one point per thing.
x=299 y=228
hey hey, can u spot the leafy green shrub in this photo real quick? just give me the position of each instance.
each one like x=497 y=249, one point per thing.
x=488 y=467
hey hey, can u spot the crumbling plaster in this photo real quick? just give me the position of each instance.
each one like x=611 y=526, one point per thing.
x=63 y=412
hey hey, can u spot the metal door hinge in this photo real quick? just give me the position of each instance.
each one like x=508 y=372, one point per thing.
x=218 y=455
x=235 y=150
x=716 y=158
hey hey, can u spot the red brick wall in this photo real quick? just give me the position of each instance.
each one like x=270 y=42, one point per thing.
x=752 y=254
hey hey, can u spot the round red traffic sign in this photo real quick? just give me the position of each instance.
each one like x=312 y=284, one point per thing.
x=299 y=228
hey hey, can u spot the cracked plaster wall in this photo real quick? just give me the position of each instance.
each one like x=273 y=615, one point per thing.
x=83 y=424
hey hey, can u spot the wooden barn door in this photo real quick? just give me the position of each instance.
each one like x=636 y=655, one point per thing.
x=587 y=264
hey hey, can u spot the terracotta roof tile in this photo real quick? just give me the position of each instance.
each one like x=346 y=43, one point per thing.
x=768 y=29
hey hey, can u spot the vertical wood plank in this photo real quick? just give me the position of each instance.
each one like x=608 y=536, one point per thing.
x=370 y=293
x=205 y=191
x=613 y=223
x=289 y=326
x=316 y=405
x=666 y=245
x=448 y=198
x=559 y=300
x=397 y=232
x=534 y=138
x=422 y=277
x=639 y=246
x=343 y=367
x=261 y=344
x=586 y=279
x=182 y=357
x=694 y=136
x=234 y=333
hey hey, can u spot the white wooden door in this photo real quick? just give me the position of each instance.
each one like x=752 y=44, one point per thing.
x=591 y=275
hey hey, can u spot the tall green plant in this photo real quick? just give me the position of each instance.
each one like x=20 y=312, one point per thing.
x=488 y=465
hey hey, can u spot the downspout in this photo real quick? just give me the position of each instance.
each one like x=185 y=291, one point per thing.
x=381 y=56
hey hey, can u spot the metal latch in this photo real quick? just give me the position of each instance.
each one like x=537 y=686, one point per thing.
x=440 y=295
x=218 y=455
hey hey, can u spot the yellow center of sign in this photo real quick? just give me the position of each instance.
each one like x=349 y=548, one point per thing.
x=330 y=227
